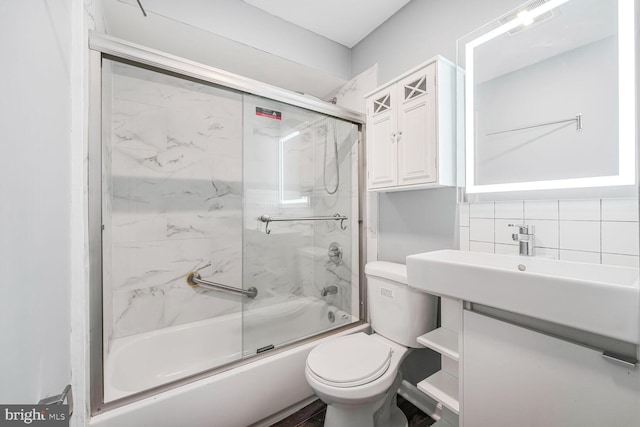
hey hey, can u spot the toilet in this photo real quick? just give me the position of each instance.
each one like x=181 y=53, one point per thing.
x=358 y=375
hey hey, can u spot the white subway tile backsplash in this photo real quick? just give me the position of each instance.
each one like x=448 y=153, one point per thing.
x=593 y=230
x=545 y=233
x=509 y=210
x=506 y=249
x=580 y=210
x=481 y=210
x=481 y=230
x=503 y=232
x=546 y=253
x=464 y=214
x=620 y=237
x=620 y=209
x=580 y=235
x=623 y=260
x=535 y=209
x=580 y=256
x=481 y=247
x=464 y=238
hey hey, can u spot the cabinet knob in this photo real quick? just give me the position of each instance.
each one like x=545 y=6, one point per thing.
x=399 y=135
x=393 y=136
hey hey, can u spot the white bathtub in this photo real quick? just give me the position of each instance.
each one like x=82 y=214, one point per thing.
x=237 y=397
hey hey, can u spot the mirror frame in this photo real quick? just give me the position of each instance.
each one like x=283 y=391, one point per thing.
x=626 y=108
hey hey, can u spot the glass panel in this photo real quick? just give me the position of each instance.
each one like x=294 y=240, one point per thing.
x=172 y=204
x=184 y=184
x=290 y=171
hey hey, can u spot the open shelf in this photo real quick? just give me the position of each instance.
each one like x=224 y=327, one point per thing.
x=441 y=423
x=442 y=340
x=443 y=387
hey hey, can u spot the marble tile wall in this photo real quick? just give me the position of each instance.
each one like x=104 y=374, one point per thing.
x=601 y=231
x=183 y=191
x=173 y=199
x=293 y=258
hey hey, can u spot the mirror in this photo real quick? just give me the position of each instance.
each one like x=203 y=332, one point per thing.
x=295 y=152
x=550 y=97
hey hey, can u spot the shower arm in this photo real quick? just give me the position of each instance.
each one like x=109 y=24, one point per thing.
x=335 y=217
x=194 y=280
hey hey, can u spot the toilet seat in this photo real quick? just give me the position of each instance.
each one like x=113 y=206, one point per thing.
x=349 y=361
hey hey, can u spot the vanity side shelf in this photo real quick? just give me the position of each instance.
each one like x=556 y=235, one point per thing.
x=443 y=387
x=442 y=340
x=442 y=423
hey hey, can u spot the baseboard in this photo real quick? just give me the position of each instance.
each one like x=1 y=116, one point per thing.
x=420 y=400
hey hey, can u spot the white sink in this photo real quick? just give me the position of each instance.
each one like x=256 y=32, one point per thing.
x=597 y=298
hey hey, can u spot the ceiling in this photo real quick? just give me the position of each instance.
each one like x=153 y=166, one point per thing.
x=343 y=21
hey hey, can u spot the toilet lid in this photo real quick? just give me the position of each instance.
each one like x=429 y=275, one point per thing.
x=349 y=361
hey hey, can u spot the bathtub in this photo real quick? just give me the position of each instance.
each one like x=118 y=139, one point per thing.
x=237 y=397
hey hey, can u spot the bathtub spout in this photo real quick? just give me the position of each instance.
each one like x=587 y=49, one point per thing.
x=329 y=290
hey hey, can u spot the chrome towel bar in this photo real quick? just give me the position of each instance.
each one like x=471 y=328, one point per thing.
x=194 y=280
x=335 y=217
x=577 y=119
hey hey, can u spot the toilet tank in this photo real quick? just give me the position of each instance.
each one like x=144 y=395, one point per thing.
x=396 y=311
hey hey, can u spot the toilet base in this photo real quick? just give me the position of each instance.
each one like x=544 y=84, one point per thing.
x=380 y=413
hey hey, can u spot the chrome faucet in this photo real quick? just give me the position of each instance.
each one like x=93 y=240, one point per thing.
x=525 y=238
x=329 y=290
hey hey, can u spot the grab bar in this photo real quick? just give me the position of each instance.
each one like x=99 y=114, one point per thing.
x=194 y=280
x=577 y=119
x=335 y=217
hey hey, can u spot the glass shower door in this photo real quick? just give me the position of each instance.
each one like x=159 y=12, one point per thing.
x=171 y=205
x=300 y=167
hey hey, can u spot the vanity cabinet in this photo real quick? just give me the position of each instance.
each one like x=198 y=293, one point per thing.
x=514 y=376
x=411 y=129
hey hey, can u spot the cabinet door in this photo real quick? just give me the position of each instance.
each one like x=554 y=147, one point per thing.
x=417 y=143
x=514 y=376
x=382 y=152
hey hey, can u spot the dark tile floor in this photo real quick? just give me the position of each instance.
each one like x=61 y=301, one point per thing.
x=312 y=415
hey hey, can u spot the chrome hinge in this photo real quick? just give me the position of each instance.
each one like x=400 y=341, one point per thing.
x=58 y=399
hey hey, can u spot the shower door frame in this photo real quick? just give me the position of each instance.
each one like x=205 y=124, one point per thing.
x=101 y=47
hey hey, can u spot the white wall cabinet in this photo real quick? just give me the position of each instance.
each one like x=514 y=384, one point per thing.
x=514 y=376
x=411 y=129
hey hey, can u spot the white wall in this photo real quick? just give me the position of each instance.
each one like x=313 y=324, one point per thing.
x=421 y=30
x=239 y=21
x=417 y=221
x=35 y=261
x=235 y=37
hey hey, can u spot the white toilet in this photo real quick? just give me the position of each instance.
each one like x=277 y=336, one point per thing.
x=358 y=375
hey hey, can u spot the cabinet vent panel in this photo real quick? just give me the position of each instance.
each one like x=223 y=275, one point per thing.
x=382 y=104
x=415 y=88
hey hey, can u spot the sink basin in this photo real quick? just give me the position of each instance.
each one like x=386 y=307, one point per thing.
x=597 y=298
